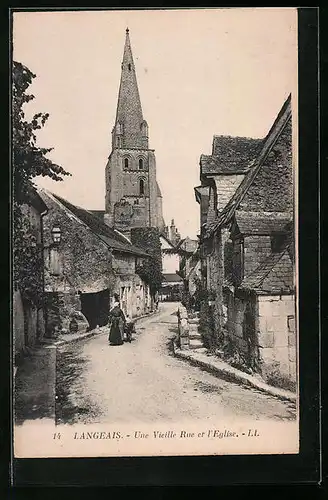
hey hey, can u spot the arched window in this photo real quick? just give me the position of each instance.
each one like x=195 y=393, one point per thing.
x=140 y=164
x=126 y=163
x=141 y=187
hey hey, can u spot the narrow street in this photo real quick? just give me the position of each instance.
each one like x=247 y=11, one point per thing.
x=144 y=382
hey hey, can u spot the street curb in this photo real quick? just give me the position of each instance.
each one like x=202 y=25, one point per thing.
x=233 y=375
x=93 y=333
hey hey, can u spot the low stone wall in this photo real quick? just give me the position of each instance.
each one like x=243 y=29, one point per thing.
x=183 y=328
x=189 y=336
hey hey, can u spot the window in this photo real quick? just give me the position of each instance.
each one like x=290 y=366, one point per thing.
x=238 y=262
x=141 y=187
x=129 y=67
x=126 y=163
x=54 y=262
x=140 y=164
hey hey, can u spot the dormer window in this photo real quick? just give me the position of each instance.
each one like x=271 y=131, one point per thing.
x=129 y=67
x=140 y=164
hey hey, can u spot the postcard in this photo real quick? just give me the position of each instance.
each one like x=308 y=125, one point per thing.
x=155 y=259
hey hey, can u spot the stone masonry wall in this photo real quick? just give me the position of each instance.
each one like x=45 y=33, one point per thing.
x=236 y=318
x=226 y=186
x=123 y=182
x=277 y=335
x=215 y=280
x=84 y=260
x=272 y=188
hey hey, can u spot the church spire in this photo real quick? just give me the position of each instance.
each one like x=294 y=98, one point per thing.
x=130 y=129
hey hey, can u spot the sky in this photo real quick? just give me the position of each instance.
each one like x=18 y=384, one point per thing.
x=200 y=72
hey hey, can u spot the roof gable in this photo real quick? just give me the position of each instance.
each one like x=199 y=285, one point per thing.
x=228 y=211
x=108 y=235
x=166 y=244
x=275 y=275
x=230 y=155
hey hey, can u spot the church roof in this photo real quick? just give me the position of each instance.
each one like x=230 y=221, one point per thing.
x=129 y=116
x=112 y=238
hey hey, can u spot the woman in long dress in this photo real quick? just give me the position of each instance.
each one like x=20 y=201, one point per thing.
x=117 y=324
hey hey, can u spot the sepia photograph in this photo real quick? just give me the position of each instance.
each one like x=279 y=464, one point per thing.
x=154 y=214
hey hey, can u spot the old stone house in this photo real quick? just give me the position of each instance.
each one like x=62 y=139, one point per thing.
x=28 y=311
x=86 y=263
x=247 y=242
x=189 y=264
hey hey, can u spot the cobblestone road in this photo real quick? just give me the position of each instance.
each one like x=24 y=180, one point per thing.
x=143 y=381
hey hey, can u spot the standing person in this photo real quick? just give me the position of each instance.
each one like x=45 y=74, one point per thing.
x=116 y=301
x=117 y=325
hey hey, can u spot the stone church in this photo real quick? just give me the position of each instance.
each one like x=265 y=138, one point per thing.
x=133 y=196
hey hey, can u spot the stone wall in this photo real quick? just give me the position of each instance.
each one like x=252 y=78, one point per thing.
x=28 y=324
x=83 y=260
x=263 y=330
x=226 y=186
x=59 y=309
x=134 y=296
x=236 y=308
x=277 y=335
x=123 y=182
x=272 y=188
x=215 y=274
x=123 y=263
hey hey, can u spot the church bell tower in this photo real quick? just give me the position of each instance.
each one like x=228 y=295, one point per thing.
x=133 y=197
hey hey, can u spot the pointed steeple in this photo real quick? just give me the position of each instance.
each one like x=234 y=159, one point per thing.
x=130 y=129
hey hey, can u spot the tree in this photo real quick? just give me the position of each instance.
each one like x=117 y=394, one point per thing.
x=29 y=161
x=150 y=271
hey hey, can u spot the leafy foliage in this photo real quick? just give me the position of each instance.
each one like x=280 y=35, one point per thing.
x=29 y=161
x=150 y=271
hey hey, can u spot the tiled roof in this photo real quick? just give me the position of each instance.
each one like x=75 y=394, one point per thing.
x=231 y=155
x=270 y=140
x=230 y=147
x=108 y=235
x=98 y=213
x=172 y=278
x=262 y=222
x=274 y=275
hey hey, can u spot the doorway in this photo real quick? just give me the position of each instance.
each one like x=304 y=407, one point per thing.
x=95 y=307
